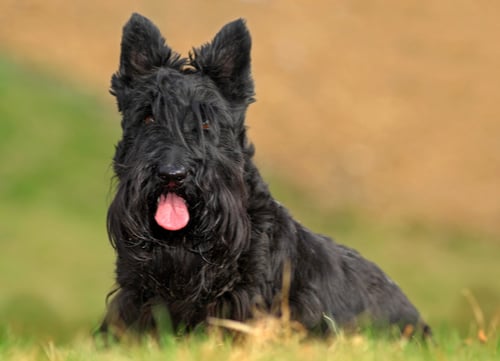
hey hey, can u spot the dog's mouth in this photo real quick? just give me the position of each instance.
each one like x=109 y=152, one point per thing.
x=172 y=212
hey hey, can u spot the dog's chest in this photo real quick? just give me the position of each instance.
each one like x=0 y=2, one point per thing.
x=171 y=269
x=177 y=273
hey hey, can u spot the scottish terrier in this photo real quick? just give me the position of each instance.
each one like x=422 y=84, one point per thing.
x=194 y=226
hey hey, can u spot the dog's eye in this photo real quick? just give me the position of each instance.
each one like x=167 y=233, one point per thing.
x=205 y=124
x=149 y=119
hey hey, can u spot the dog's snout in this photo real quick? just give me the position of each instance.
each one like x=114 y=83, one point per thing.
x=172 y=174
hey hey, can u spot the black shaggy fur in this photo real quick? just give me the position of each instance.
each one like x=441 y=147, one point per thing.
x=187 y=115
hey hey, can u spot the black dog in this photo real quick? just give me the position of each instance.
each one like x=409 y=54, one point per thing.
x=195 y=227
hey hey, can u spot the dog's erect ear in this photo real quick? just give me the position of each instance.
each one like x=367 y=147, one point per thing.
x=143 y=48
x=226 y=60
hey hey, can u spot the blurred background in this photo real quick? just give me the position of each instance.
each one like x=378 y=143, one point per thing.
x=377 y=123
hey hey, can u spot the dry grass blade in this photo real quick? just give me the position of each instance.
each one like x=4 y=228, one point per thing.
x=478 y=315
x=266 y=328
x=232 y=325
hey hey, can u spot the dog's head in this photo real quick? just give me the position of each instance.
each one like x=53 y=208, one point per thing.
x=180 y=163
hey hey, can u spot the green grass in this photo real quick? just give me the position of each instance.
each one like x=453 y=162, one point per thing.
x=358 y=347
x=56 y=264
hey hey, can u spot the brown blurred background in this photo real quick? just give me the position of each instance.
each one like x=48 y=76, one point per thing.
x=391 y=107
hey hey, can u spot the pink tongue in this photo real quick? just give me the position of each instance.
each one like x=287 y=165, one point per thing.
x=172 y=213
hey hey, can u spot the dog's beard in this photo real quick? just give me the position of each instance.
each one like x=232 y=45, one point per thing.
x=215 y=203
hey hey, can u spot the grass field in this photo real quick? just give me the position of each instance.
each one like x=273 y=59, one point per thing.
x=56 y=265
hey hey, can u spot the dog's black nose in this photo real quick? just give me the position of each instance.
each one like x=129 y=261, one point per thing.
x=172 y=174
